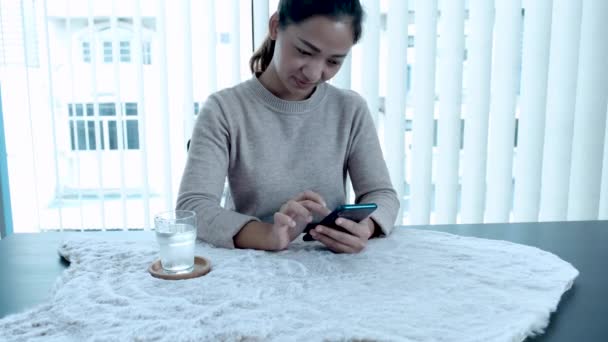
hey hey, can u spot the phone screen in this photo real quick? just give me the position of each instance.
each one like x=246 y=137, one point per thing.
x=353 y=212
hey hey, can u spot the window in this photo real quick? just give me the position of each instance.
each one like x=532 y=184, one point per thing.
x=125 y=52
x=107 y=109
x=130 y=108
x=410 y=41
x=147 y=53
x=409 y=77
x=224 y=38
x=86 y=52
x=107 y=52
x=84 y=131
x=132 y=134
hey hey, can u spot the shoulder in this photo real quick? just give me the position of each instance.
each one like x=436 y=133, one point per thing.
x=352 y=106
x=227 y=100
x=237 y=93
x=347 y=99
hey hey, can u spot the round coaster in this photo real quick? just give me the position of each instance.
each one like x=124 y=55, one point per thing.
x=202 y=266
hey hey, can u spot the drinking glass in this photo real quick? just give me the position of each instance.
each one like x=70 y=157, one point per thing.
x=176 y=235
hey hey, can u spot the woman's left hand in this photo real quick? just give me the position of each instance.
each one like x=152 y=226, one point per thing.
x=340 y=242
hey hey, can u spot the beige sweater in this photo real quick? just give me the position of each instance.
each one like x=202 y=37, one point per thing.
x=271 y=150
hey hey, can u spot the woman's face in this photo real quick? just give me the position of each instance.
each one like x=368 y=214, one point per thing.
x=307 y=54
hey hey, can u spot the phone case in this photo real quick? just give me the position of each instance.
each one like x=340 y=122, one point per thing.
x=353 y=212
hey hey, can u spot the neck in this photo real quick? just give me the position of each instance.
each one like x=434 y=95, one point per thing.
x=270 y=80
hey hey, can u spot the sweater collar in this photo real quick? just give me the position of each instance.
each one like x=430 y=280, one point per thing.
x=284 y=106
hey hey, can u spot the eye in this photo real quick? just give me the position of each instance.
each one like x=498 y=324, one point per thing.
x=334 y=62
x=303 y=52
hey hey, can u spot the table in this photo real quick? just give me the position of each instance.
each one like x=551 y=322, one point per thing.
x=29 y=266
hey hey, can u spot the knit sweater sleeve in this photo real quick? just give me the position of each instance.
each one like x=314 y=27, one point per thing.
x=204 y=175
x=368 y=171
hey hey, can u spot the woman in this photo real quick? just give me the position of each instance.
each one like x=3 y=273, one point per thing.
x=286 y=140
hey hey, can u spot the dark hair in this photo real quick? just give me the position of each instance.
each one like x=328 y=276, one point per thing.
x=296 y=11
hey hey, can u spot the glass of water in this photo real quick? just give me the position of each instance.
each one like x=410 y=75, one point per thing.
x=176 y=235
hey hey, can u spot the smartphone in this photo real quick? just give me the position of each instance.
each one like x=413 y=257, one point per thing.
x=353 y=212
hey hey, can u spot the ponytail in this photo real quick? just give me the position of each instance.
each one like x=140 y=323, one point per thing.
x=296 y=11
x=262 y=56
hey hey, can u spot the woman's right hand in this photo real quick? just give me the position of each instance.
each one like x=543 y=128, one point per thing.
x=294 y=215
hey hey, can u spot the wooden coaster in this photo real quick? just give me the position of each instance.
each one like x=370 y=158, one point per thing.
x=202 y=266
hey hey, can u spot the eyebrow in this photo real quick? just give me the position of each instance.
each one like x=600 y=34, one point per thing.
x=316 y=49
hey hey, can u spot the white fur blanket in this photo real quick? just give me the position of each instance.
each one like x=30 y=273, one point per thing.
x=414 y=285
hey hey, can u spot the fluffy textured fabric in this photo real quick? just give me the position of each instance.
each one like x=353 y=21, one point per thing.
x=411 y=286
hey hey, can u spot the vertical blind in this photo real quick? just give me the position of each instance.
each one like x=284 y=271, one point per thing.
x=533 y=100
x=394 y=122
x=479 y=53
x=589 y=113
x=449 y=89
x=503 y=89
x=139 y=80
x=423 y=90
x=488 y=111
x=559 y=118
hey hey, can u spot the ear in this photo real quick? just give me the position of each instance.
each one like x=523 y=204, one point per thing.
x=273 y=26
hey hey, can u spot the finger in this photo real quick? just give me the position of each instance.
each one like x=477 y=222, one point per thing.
x=315 y=207
x=352 y=241
x=355 y=228
x=334 y=245
x=281 y=219
x=311 y=195
x=294 y=209
x=280 y=236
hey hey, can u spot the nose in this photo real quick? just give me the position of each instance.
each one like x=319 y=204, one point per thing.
x=313 y=71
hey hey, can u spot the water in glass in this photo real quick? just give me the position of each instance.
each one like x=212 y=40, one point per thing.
x=177 y=247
